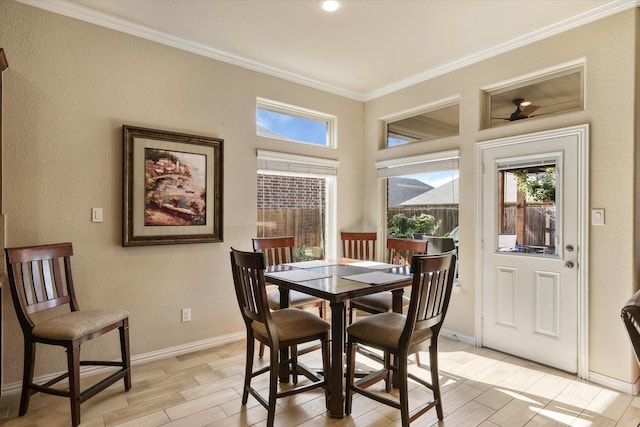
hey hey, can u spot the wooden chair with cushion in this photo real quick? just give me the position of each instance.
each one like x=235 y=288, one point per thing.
x=278 y=330
x=401 y=335
x=40 y=279
x=359 y=245
x=631 y=318
x=399 y=252
x=279 y=250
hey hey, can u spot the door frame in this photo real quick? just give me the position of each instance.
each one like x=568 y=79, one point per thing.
x=582 y=134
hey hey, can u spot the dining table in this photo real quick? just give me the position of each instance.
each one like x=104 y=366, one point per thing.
x=337 y=281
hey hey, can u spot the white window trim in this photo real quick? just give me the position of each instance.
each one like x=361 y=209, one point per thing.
x=416 y=164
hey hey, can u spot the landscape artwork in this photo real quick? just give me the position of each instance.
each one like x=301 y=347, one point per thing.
x=175 y=188
x=172 y=187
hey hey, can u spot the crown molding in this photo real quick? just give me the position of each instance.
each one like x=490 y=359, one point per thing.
x=72 y=10
x=82 y=13
x=591 y=15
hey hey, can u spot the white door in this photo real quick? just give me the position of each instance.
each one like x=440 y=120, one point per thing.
x=533 y=292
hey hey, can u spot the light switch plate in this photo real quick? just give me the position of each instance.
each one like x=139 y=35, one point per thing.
x=597 y=216
x=96 y=215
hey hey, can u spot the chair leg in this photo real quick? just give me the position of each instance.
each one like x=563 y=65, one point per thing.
x=351 y=369
x=27 y=375
x=417 y=355
x=273 y=385
x=248 y=369
x=126 y=354
x=388 y=364
x=435 y=378
x=403 y=387
x=73 y=364
x=261 y=351
x=294 y=364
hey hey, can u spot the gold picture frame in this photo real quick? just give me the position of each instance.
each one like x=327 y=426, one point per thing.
x=172 y=187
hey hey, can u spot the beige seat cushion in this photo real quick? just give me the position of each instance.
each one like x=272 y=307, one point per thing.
x=380 y=302
x=384 y=329
x=293 y=324
x=296 y=299
x=77 y=324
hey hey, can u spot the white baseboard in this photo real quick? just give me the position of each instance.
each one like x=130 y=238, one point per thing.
x=15 y=388
x=615 y=384
x=458 y=337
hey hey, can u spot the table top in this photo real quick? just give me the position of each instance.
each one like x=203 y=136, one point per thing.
x=339 y=280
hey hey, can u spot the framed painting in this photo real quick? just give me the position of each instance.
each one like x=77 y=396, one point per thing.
x=172 y=188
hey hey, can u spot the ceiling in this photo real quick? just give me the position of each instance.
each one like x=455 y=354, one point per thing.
x=364 y=50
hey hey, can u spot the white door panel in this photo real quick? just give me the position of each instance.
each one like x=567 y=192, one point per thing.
x=531 y=292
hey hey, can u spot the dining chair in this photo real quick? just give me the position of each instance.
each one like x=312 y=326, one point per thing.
x=279 y=250
x=278 y=330
x=359 y=245
x=399 y=252
x=403 y=334
x=631 y=317
x=40 y=279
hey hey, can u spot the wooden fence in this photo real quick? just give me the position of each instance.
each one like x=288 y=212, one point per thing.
x=308 y=224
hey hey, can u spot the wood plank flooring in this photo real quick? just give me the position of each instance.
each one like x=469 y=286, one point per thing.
x=481 y=388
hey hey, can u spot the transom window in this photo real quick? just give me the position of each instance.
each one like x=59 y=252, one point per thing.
x=423 y=124
x=296 y=124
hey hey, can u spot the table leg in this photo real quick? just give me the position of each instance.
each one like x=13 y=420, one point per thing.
x=336 y=371
x=284 y=353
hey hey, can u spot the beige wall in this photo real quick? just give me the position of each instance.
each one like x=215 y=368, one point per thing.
x=610 y=49
x=69 y=89
x=71 y=86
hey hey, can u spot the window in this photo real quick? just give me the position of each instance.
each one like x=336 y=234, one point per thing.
x=290 y=123
x=545 y=94
x=423 y=124
x=296 y=197
x=421 y=195
x=527 y=209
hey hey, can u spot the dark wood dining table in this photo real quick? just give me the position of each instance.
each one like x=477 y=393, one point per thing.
x=328 y=280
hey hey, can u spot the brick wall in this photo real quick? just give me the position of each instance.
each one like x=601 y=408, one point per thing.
x=289 y=192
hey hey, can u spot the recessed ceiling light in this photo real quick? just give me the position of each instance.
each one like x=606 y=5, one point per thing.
x=330 y=5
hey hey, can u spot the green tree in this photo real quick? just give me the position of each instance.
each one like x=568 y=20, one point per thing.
x=403 y=227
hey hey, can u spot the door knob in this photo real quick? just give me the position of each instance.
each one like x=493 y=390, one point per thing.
x=568 y=248
x=569 y=264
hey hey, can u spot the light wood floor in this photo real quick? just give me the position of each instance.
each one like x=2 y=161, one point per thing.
x=481 y=388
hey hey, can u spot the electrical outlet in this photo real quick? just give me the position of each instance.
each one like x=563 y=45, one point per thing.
x=186 y=315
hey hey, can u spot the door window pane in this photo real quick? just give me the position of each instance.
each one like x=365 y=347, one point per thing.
x=527 y=210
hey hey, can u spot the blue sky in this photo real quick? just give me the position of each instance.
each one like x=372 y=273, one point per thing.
x=289 y=127
x=315 y=132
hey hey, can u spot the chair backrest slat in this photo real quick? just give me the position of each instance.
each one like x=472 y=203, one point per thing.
x=48 y=280
x=36 y=277
x=276 y=250
x=359 y=245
